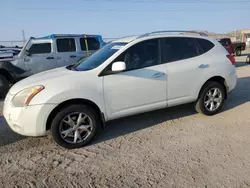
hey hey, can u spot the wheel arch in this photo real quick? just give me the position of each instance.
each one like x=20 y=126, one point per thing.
x=6 y=74
x=218 y=79
x=60 y=106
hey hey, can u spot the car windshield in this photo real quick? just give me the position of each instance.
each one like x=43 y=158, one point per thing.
x=98 y=57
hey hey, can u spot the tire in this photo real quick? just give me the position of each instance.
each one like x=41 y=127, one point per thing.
x=238 y=52
x=59 y=128
x=248 y=59
x=4 y=86
x=204 y=98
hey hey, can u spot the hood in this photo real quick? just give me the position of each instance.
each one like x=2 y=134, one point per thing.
x=40 y=79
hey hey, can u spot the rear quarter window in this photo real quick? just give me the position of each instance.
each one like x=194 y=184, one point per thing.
x=179 y=48
x=205 y=45
x=93 y=44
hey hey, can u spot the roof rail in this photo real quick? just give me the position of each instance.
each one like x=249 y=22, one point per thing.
x=172 y=31
x=67 y=35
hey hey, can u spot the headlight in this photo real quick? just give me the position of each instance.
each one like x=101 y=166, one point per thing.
x=24 y=97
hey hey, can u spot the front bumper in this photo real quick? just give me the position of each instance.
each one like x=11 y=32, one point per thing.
x=29 y=120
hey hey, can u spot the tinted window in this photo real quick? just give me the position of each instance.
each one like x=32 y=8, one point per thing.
x=93 y=44
x=42 y=48
x=143 y=54
x=179 y=48
x=225 y=42
x=66 y=45
x=205 y=45
x=98 y=57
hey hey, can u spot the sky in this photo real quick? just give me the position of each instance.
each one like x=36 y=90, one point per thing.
x=116 y=18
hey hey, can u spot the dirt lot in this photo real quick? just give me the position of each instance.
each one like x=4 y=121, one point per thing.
x=174 y=147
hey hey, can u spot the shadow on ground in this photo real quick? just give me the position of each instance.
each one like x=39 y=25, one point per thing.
x=7 y=136
x=127 y=125
x=241 y=64
x=124 y=126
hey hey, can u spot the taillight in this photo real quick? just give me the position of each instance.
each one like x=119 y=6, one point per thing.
x=231 y=58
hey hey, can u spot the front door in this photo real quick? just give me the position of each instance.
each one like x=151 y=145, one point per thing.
x=142 y=87
x=41 y=57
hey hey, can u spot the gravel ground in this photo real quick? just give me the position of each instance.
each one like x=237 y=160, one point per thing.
x=174 y=147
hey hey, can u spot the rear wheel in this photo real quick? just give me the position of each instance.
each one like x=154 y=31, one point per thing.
x=238 y=52
x=4 y=86
x=211 y=99
x=248 y=59
x=75 y=126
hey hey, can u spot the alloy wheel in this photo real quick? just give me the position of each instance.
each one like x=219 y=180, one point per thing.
x=75 y=127
x=213 y=99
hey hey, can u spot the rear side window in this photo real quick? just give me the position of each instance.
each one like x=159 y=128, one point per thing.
x=205 y=45
x=66 y=45
x=93 y=44
x=41 y=48
x=179 y=48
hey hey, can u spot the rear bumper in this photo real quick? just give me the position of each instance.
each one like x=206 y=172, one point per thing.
x=231 y=81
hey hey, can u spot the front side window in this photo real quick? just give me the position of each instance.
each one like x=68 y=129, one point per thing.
x=98 y=57
x=141 y=55
x=66 y=45
x=179 y=48
x=41 y=48
x=93 y=44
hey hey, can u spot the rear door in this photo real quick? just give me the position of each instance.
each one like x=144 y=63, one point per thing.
x=66 y=52
x=41 y=57
x=185 y=66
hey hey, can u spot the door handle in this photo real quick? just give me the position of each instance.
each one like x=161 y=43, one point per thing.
x=26 y=60
x=58 y=58
x=158 y=75
x=203 y=66
x=50 y=58
x=72 y=56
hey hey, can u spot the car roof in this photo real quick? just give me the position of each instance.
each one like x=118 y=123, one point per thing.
x=52 y=36
x=126 y=39
x=132 y=38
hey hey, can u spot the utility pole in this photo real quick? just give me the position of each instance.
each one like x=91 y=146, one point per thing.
x=235 y=36
x=23 y=37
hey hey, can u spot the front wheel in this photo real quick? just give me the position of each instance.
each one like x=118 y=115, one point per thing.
x=75 y=126
x=211 y=99
x=4 y=86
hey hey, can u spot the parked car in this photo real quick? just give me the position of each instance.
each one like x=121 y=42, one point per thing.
x=41 y=54
x=8 y=54
x=233 y=47
x=127 y=76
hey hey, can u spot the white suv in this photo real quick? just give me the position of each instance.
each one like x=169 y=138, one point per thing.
x=127 y=76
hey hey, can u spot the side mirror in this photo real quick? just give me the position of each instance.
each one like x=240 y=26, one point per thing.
x=28 y=53
x=118 y=66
